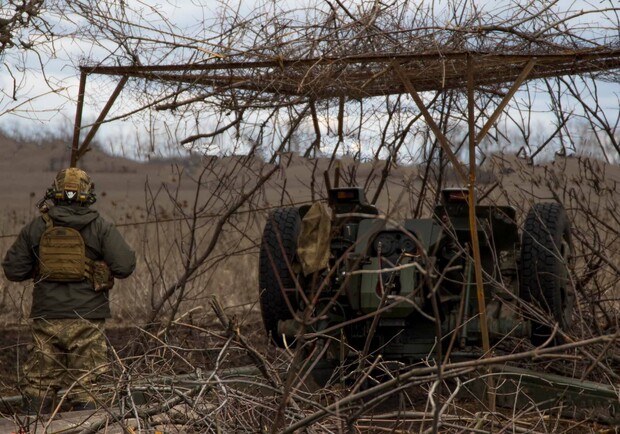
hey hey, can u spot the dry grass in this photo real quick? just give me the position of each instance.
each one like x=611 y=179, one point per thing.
x=170 y=215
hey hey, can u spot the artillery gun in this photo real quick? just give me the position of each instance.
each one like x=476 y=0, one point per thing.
x=385 y=286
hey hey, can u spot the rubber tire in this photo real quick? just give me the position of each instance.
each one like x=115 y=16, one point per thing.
x=546 y=250
x=277 y=252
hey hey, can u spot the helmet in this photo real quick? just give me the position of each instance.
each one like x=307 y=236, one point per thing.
x=72 y=185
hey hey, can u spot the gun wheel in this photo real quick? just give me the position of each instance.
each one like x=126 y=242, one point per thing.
x=546 y=252
x=277 y=254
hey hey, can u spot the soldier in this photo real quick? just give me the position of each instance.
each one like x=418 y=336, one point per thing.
x=73 y=256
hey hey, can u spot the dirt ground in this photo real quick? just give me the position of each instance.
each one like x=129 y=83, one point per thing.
x=183 y=349
x=186 y=349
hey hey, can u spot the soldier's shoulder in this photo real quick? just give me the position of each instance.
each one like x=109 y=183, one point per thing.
x=104 y=223
x=36 y=223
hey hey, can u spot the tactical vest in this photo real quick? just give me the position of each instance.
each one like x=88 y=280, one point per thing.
x=62 y=254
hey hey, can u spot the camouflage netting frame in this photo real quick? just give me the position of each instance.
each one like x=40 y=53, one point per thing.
x=361 y=76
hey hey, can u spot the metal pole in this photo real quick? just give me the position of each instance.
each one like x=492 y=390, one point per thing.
x=77 y=126
x=473 y=226
x=504 y=102
x=443 y=141
x=91 y=134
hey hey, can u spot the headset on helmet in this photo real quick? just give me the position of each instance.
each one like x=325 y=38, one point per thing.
x=72 y=185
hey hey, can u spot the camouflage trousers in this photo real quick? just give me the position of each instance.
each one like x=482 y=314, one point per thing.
x=66 y=354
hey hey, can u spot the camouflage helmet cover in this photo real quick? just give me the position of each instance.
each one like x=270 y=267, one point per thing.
x=72 y=185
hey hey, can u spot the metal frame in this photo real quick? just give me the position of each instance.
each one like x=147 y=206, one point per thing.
x=360 y=76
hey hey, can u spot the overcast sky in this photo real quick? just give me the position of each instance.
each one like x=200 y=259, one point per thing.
x=39 y=107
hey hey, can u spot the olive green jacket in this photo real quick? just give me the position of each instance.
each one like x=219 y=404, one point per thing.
x=69 y=299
